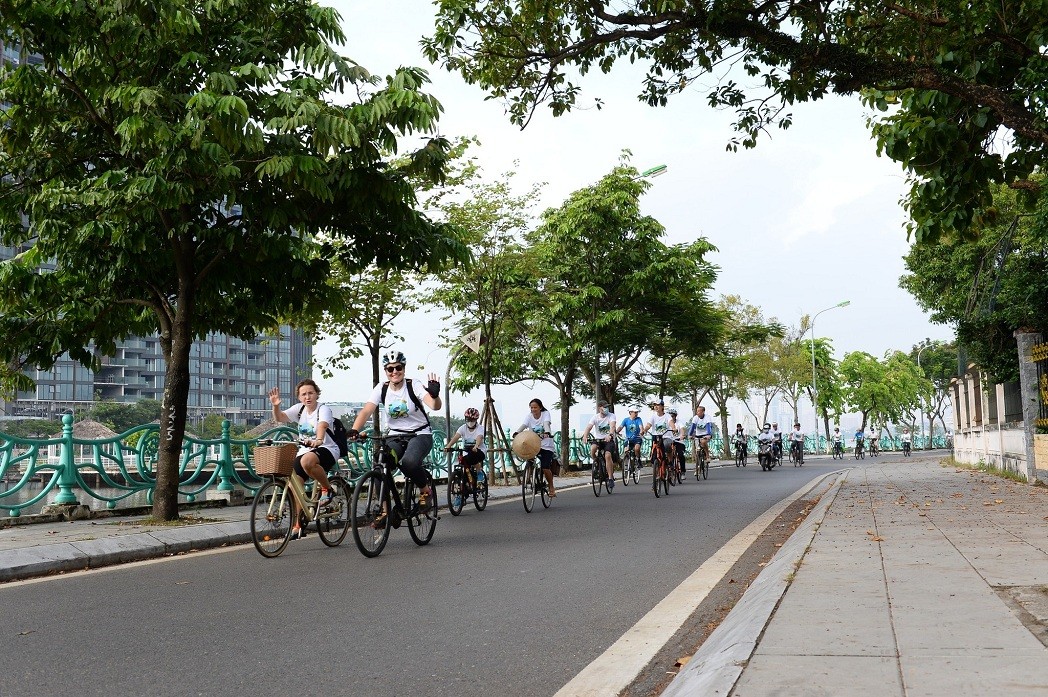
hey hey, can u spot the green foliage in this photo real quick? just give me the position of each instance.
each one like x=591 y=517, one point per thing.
x=121 y=416
x=882 y=390
x=173 y=164
x=31 y=428
x=987 y=286
x=952 y=78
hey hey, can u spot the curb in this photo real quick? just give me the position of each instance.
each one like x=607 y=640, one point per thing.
x=720 y=661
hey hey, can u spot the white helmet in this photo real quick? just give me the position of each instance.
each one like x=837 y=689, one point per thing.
x=393 y=357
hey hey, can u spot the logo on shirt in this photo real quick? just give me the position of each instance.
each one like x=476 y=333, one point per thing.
x=397 y=409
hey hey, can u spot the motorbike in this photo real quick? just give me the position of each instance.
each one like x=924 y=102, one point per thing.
x=766 y=456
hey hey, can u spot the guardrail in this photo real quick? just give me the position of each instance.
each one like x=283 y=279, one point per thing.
x=114 y=469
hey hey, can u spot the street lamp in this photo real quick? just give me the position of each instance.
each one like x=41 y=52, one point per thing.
x=814 y=387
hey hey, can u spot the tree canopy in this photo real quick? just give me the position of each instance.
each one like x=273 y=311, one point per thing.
x=955 y=77
x=171 y=164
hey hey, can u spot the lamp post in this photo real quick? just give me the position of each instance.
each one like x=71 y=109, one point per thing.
x=814 y=386
x=922 y=404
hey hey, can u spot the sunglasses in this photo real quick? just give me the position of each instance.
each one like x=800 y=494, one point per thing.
x=394 y=369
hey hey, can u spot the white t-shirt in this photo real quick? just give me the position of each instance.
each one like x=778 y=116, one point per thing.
x=765 y=437
x=471 y=437
x=307 y=425
x=399 y=413
x=601 y=427
x=543 y=424
x=660 y=425
x=907 y=437
x=700 y=426
x=797 y=435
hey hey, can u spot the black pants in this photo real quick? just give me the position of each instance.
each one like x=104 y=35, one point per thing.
x=411 y=453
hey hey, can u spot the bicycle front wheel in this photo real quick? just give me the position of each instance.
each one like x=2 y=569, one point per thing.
x=705 y=469
x=625 y=471
x=595 y=479
x=368 y=515
x=527 y=487
x=543 y=485
x=480 y=494
x=456 y=488
x=635 y=469
x=333 y=519
x=422 y=520
x=271 y=518
x=656 y=477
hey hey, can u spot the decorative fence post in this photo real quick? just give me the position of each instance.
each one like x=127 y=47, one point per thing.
x=66 y=466
x=225 y=460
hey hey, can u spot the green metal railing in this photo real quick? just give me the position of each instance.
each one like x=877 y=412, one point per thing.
x=114 y=469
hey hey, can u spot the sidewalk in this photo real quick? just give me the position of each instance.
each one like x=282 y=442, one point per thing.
x=42 y=549
x=907 y=579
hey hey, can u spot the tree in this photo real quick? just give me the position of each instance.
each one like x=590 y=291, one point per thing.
x=881 y=391
x=122 y=416
x=830 y=398
x=988 y=286
x=724 y=373
x=173 y=163
x=954 y=77
x=938 y=363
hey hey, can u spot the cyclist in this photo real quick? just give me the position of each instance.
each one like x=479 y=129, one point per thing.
x=738 y=440
x=797 y=443
x=907 y=441
x=860 y=436
x=632 y=425
x=317 y=450
x=603 y=424
x=875 y=447
x=540 y=421
x=838 y=442
x=659 y=424
x=680 y=437
x=404 y=404
x=471 y=434
x=776 y=445
x=701 y=429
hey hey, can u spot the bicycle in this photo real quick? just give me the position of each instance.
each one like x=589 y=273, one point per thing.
x=702 y=462
x=599 y=472
x=838 y=451
x=272 y=510
x=906 y=449
x=377 y=506
x=630 y=466
x=797 y=453
x=860 y=454
x=531 y=482
x=464 y=483
x=875 y=449
x=659 y=473
x=740 y=454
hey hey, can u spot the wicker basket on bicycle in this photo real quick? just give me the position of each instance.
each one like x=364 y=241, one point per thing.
x=278 y=460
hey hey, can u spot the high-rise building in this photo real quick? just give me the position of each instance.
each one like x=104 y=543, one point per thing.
x=228 y=376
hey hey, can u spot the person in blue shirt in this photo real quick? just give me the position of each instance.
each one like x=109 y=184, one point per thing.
x=631 y=427
x=860 y=435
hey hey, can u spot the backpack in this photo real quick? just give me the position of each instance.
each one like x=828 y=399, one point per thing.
x=338 y=434
x=414 y=399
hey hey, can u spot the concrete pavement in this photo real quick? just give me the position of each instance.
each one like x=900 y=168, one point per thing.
x=909 y=578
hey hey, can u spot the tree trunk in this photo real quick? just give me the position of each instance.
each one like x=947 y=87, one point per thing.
x=725 y=445
x=176 y=348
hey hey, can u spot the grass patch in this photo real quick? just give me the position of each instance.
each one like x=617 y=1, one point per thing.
x=982 y=466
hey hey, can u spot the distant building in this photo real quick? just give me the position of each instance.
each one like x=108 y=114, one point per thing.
x=228 y=376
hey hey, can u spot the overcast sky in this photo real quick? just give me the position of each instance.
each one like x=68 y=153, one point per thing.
x=809 y=218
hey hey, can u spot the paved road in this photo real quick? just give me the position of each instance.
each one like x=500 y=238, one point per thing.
x=499 y=599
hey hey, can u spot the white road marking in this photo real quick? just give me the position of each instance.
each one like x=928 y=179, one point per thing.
x=616 y=668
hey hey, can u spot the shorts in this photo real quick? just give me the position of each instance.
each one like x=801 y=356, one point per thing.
x=327 y=461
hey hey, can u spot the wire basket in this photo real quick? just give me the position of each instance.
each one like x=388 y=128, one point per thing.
x=276 y=460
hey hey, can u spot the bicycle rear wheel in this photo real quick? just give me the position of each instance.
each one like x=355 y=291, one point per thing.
x=527 y=486
x=422 y=520
x=456 y=488
x=271 y=518
x=333 y=519
x=480 y=494
x=368 y=515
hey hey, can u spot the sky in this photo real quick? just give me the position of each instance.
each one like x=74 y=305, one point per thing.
x=808 y=219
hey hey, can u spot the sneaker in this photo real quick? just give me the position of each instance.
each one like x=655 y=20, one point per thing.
x=611 y=484
x=481 y=476
x=457 y=501
x=423 y=498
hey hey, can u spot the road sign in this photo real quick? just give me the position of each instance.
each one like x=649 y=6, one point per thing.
x=472 y=341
